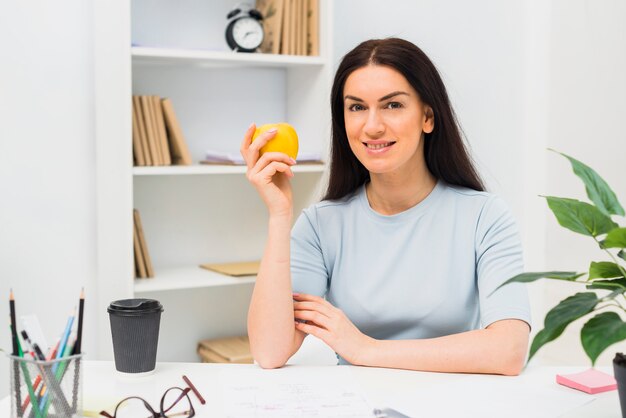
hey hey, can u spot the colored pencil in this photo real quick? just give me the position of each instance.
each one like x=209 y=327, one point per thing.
x=13 y=323
x=62 y=352
x=79 y=332
x=16 y=352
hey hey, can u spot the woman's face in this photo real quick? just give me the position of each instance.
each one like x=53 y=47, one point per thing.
x=385 y=120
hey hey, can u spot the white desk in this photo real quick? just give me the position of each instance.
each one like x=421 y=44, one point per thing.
x=429 y=394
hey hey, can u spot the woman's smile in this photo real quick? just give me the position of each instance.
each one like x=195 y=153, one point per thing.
x=378 y=147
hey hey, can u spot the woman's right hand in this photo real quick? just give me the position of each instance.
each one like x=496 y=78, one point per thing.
x=270 y=173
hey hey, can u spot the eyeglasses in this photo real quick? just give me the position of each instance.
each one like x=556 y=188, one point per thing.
x=175 y=402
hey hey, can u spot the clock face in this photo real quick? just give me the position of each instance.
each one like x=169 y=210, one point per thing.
x=248 y=33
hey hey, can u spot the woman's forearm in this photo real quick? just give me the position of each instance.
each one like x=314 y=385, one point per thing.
x=270 y=317
x=499 y=349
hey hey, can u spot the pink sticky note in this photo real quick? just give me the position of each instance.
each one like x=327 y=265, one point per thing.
x=590 y=381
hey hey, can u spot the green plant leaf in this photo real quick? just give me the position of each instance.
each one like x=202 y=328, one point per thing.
x=622 y=255
x=609 y=284
x=559 y=317
x=600 y=332
x=597 y=189
x=569 y=276
x=604 y=270
x=580 y=217
x=615 y=239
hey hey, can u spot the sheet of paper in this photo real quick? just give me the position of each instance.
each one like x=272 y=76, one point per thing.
x=292 y=392
x=488 y=397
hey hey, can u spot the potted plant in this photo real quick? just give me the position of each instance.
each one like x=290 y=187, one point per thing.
x=596 y=220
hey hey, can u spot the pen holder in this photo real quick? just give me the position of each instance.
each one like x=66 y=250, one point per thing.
x=46 y=388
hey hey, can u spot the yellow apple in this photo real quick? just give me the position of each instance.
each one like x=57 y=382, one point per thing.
x=285 y=140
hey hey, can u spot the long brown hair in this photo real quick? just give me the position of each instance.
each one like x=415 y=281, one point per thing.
x=444 y=150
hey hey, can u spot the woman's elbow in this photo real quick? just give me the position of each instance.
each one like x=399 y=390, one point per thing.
x=512 y=368
x=269 y=363
x=513 y=361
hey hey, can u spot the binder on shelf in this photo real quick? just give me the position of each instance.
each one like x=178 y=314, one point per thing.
x=140 y=265
x=178 y=147
x=152 y=142
x=285 y=33
x=272 y=11
x=141 y=125
x=160 y=128
x=298 y=27
x=139 y=158
x=225 y=350
x=313 y=42
x=142 y=244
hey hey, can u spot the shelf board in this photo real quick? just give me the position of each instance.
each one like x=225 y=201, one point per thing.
x=187 y=278
x=176 y=170
x=149 y=55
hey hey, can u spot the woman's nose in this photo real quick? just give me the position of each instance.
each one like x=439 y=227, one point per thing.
x=374 y=126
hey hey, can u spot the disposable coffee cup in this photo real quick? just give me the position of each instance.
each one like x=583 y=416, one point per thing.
x=135 y=334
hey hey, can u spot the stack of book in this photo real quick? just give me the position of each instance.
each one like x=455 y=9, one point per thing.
x=157 y=137
x=291 y=26
x=143 y=263
x=225 y=350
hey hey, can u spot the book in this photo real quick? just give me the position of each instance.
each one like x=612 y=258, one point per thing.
x=272 y=11
x=218 y=157
x=140 y=266
x=143 y=245
x=139 y=158
x=237 y=269
x=313 y=46
x=298 y=27
x=225 y=350
x=141 y=124
x=286 y=32
x=150 y=134
x=304 y=25
x=178 y=147
x=292 y=27
x=161 y=134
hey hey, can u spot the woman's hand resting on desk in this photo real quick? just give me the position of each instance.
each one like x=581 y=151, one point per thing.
x=270 y=173
x=329 y=324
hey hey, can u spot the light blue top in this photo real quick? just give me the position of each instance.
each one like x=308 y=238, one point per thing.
x=422 y=273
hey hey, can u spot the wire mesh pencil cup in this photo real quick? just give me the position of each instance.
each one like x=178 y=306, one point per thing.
x=46 y=388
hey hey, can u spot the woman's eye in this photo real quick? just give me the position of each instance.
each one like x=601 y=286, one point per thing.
x=393 y=105
x=355 y=107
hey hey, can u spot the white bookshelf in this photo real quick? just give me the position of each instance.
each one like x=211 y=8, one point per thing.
x=167 y=56
x=207 y=169
x=199 y=213
x=188 y=277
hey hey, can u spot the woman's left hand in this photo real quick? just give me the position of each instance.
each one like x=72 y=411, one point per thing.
x=331 y=325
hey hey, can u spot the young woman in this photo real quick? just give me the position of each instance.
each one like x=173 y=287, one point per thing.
x=397 y=265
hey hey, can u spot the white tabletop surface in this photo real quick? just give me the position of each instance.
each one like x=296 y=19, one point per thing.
x=534 y=393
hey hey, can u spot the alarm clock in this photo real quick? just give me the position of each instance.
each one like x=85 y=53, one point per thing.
x=244 y=32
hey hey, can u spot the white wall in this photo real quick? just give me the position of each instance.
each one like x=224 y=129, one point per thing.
x=47 y=165
x=587 y=112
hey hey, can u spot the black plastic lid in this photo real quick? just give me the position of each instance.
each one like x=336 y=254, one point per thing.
x=133 y=307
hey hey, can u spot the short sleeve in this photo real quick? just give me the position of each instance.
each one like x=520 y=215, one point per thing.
x=498 y=258
x=308 y=270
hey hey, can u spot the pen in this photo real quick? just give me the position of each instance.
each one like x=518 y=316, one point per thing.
x=388 y=413
x=34 y=346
